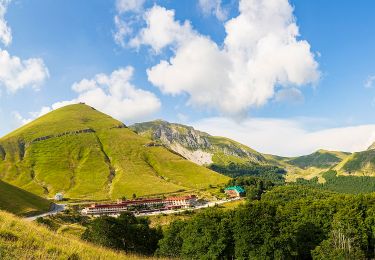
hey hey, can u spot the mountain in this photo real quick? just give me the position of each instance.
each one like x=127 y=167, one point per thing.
x=320 y=159
x=311 y=165
x=88 y=155
x=204 y=149
x=21 y=239
x=20 y=202
x=360 y=163
x=197 y=146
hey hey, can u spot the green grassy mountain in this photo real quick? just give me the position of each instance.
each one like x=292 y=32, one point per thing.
x=198 y=146
x=20 y=202
x=88 y=155
x=320 y=159
x=309 y=166
x=360 y=163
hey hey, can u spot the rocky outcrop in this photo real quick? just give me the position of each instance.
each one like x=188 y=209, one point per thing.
x=88 y=130
x=187 y=137
x=194 y=145
x=199 y=157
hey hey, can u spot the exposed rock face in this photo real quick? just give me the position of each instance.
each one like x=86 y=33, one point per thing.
x=199 y=157
x=187 y=137
x=194 y=145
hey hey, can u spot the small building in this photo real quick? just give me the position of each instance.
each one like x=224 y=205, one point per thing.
x=181 y=202
x=235 y=191
x=59 y=197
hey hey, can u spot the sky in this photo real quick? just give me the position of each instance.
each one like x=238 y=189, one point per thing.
x=283 y=77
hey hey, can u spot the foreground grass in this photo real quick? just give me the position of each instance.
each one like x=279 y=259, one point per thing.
x=20 y=239
x=21 y=202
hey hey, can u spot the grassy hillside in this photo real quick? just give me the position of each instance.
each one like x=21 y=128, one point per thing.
x=21 y=202
x=20 y=239
x=360 y=164
x=320 y=159
x=88 y=155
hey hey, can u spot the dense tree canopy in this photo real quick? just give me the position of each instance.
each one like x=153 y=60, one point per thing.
x=126 y=233
x=289 y=222
x=268 y=172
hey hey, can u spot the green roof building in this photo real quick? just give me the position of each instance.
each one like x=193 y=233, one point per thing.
x=234 y=191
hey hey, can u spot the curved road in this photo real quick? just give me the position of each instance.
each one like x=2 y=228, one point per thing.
x=56 y=208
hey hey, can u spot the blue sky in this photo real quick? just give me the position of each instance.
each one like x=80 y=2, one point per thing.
x=254 y=80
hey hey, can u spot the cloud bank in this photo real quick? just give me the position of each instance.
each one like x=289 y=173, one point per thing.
x=261 y=53
x=289 y=137
x=113 y=94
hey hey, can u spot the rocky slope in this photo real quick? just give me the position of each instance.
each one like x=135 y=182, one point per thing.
x=197 y=146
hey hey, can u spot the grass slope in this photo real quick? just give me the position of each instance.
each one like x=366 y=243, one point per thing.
x=320 y=159
x=20 y=239
x=360 y=164
x=21 y=202
x=88 y=155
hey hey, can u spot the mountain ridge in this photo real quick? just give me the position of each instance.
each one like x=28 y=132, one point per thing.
x=190 y=142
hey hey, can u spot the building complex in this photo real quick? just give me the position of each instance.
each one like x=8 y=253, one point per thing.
x=141 y=205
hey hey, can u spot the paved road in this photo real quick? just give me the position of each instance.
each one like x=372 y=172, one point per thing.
x=56 y=208
x=207 y=205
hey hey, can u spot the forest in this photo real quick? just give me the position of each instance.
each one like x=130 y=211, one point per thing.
x=269 y=172
x=277 y=222
x=342 y=184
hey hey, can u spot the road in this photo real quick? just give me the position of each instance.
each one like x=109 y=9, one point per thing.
x=207 y=205
x=56 y=209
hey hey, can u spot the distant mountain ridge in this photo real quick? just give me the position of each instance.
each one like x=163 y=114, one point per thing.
x=204 y=149
x=197 y=146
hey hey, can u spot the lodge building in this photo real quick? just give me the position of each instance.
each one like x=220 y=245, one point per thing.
x=140 y=205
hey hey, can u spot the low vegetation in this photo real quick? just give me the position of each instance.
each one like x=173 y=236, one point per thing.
x=20 y=239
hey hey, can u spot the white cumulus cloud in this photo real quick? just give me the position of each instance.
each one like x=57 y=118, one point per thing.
x=16 y=73
x=112 y=94
x=261 y=51
x=5 y=31
x=162 y=30
x=289 y=137
x=124 y=25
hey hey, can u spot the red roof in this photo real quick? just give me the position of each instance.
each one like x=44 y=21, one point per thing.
x=127 y=203
x=181 y=198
